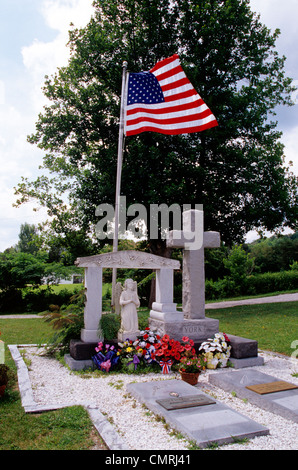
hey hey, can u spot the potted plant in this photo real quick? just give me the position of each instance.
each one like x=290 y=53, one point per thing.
x=191 y=364
x=191 y=367
x=3 y=378
x=217 y=350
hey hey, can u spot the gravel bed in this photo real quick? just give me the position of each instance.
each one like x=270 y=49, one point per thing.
x=54 y=383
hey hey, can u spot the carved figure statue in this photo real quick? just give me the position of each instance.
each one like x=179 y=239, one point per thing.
x=118 y=291
x=129 y=302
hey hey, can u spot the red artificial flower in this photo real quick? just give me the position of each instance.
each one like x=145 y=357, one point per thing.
x=226 y=338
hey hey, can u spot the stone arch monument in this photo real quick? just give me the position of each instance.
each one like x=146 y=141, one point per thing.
x=125 y=260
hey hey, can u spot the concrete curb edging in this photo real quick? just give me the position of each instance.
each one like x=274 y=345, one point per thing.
x=104 y=428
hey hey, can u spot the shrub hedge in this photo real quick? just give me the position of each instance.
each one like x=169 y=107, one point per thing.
x=38 y=300
x=33 y=300
x=253 y=285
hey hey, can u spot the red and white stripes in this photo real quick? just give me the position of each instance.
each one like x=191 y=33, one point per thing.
x=183 y=110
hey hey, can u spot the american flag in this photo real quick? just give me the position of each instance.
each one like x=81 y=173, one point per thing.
x=163 y=100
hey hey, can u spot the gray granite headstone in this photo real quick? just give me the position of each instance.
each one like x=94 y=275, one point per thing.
x=205 y=424
x=283 y=403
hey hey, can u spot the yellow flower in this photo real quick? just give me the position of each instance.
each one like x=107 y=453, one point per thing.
x=129 y=349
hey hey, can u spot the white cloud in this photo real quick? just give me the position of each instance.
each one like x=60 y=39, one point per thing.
x=277 y=14
x=2 y=92
x=60 y=13
x=289 y=138
x=43 y=58
x=21 y=99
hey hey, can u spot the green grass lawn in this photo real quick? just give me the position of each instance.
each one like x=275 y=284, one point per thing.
x=25 y=331
x=274 y=326
x=64 y=429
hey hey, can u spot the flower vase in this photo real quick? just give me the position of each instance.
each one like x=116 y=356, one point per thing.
x=190 y=377
x=212 y=363
x=223 y=362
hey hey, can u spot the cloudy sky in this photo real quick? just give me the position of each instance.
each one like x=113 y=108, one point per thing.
x=33 y=37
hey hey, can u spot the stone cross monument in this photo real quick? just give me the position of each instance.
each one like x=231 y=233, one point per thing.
x=191 y=321
x=193 y=240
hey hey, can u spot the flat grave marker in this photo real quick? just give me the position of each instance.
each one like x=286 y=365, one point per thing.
x=247 y=384
x=207 y=422
x=177 y=403
x=271 y=387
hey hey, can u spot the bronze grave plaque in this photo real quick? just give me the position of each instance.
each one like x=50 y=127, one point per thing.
x=271 y=387
x=188 y=401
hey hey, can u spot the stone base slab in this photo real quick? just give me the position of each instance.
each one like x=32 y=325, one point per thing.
x=79 y=350
x=197 y=330
x=243 y=347
x=75 y=364
x=128 y=335
x=246 y=362
x=167 y=316
x=90 y=336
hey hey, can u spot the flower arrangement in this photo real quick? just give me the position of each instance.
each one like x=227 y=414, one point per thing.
x=146 y=344
x=106 y=357
x=139 y=352
x=191 y=362
x=167 y=351
x=216 y=350
x=129 y=355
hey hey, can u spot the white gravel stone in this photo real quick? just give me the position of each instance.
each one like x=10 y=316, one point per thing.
x=53 y=383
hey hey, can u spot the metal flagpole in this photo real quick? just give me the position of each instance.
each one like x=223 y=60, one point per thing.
x=119 y=170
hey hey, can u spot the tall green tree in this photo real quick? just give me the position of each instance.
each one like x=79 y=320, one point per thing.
x=28 y=239
x=235 y=170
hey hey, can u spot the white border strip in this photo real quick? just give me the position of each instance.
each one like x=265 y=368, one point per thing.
x=104 y=428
